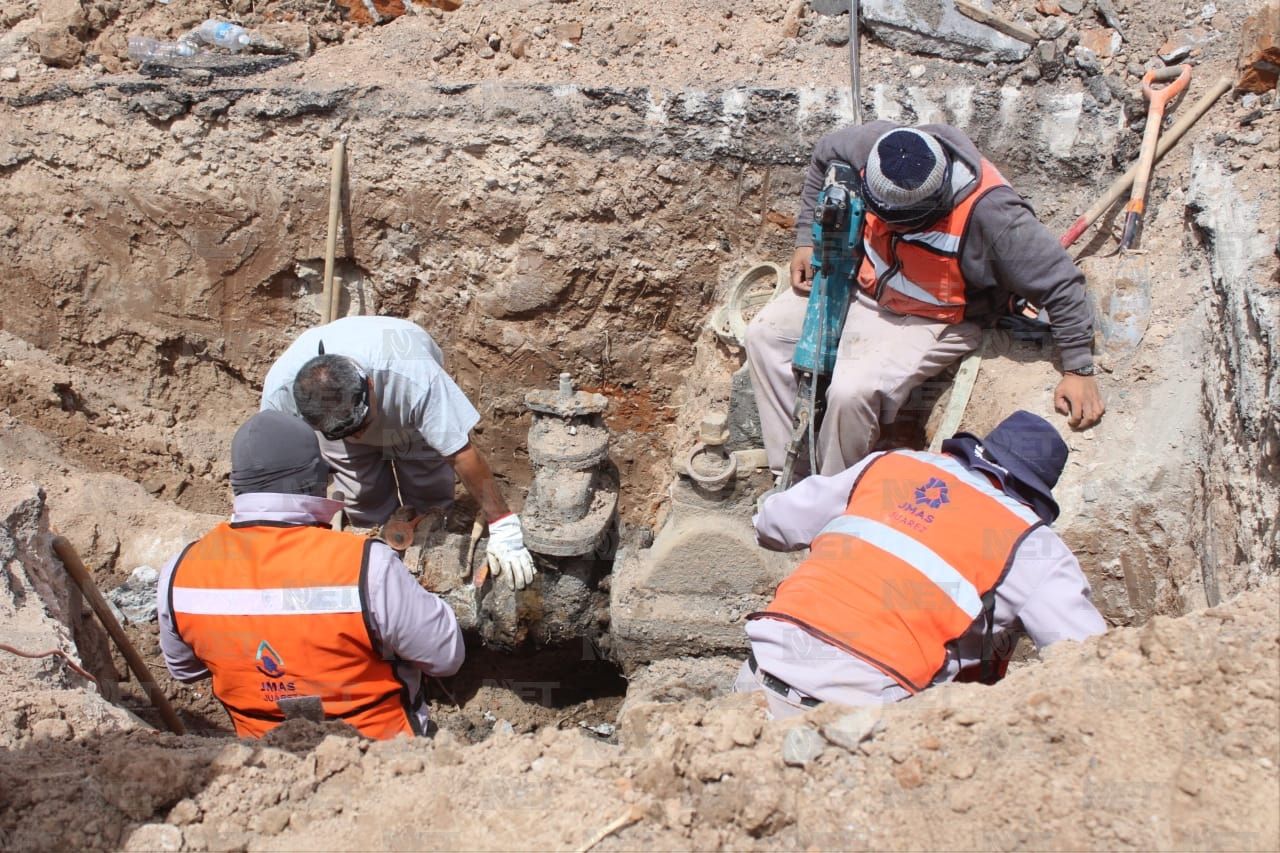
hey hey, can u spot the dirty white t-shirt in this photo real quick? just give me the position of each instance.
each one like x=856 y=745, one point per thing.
x=417 y=407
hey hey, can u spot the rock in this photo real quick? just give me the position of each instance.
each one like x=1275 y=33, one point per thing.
x=628 y=35
x=184 y=811
x=936 y=28
x=1108 y=14
x=1086 y=60
x=963 y=769
x=335 y=754
x=1181 y=43
x=1048 y=7
x=56 y=46
x=272 y=821
x=52 y=729
x=1098 y=89
x=1030 y=73
x=1048 y=59
x=802 y=745
x=293 y=37
x=1248 y=103
x=835 y=33
x=9 y=74
x=519 y=44
x=1071 y=7
x=68 y=14
x=852 y=729
x=571 y=32
x=136 y=597
x=154 y=838
x=1259 y=58
x=1104 y=42
x=1051 y=28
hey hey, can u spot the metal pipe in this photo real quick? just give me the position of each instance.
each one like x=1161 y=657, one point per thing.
x=329 y=296
x=855 y=76
x=79 y=574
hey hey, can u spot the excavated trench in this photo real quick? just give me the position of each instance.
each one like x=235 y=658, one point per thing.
x=168 y=249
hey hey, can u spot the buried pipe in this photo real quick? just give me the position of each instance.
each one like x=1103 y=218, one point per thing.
x=76 y=569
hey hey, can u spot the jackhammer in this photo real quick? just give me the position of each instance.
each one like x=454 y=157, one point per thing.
x=837 y=253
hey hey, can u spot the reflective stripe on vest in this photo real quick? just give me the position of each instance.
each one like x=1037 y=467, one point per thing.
x=909 y=567
x=918 y=272
x=276 y=612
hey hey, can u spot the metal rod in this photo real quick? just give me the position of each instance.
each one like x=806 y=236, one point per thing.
x=855 y=75
x=329 y=297
x=79 y=574
x=1167 y=140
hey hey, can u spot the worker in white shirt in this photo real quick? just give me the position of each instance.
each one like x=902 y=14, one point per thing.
x=394 y=427
x=923 y=569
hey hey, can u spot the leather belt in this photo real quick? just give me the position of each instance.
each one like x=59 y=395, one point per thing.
x=777 y=685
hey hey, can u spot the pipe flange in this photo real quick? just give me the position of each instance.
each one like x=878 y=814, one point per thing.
x=717 y=481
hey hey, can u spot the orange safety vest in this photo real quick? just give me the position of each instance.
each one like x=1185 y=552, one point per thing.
x=909 y=567
x=918 y=272
x=276 y=611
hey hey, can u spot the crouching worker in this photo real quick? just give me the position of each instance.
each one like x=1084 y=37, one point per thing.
x=923 y=568
x=277 y=608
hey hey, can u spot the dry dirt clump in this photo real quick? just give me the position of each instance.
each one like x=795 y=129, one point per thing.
x=1160 y=737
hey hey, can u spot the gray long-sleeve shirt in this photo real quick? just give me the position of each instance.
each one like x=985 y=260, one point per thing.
x=415 y=628
x=1044 y=594
x=1006 y=250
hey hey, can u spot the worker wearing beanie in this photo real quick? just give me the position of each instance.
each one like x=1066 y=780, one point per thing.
x=277 y=608
x=948 y=243
x=923 y=568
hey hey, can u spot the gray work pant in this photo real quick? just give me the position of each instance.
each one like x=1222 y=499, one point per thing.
x=368 y=476
x=883 y=357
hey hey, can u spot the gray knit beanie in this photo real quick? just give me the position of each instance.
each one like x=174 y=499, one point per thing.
x=278 y=453
x=906 y=168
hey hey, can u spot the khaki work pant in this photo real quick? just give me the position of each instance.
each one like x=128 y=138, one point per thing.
x=882 y=358
x=369 y=475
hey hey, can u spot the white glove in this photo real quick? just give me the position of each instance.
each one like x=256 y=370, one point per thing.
x=506 y=551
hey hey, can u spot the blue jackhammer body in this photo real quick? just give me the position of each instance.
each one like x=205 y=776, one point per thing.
x=838 y=218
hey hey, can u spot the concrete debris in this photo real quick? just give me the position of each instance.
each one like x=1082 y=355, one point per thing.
x=937 y=28
x=1086 y=60
x=1183 y=43
x=1259 y=59
x=1103 y=42
x=136 y=597
x=850 y=730
x=801 y=746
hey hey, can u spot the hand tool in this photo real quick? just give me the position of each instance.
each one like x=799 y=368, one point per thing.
x=329 y=300
x=76 y=568
x=400 y=529
x=1156 y=101
x=837 y=251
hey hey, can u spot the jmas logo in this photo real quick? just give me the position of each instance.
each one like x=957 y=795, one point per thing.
x=915 y=513
x=270 y=663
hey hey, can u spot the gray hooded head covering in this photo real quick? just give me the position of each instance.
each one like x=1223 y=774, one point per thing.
x=275 y=452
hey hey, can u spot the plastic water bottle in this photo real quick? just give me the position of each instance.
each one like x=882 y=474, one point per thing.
x=145 y=49
x=224 y=34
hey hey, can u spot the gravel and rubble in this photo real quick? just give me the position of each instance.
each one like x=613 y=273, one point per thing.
x=1159 y=737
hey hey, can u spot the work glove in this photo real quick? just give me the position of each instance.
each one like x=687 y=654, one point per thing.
x=506 y=552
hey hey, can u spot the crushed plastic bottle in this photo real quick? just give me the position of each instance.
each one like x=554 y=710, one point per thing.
x=224 y=34
x=146 y=49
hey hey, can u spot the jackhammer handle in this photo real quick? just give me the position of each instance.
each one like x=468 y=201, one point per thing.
x=1121 y=184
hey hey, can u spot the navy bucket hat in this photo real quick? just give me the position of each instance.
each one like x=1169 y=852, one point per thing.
x=1024 y=452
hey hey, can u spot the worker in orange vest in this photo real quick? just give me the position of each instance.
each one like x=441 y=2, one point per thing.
x=923 y=567
x=281 y=610
x=948 y=246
